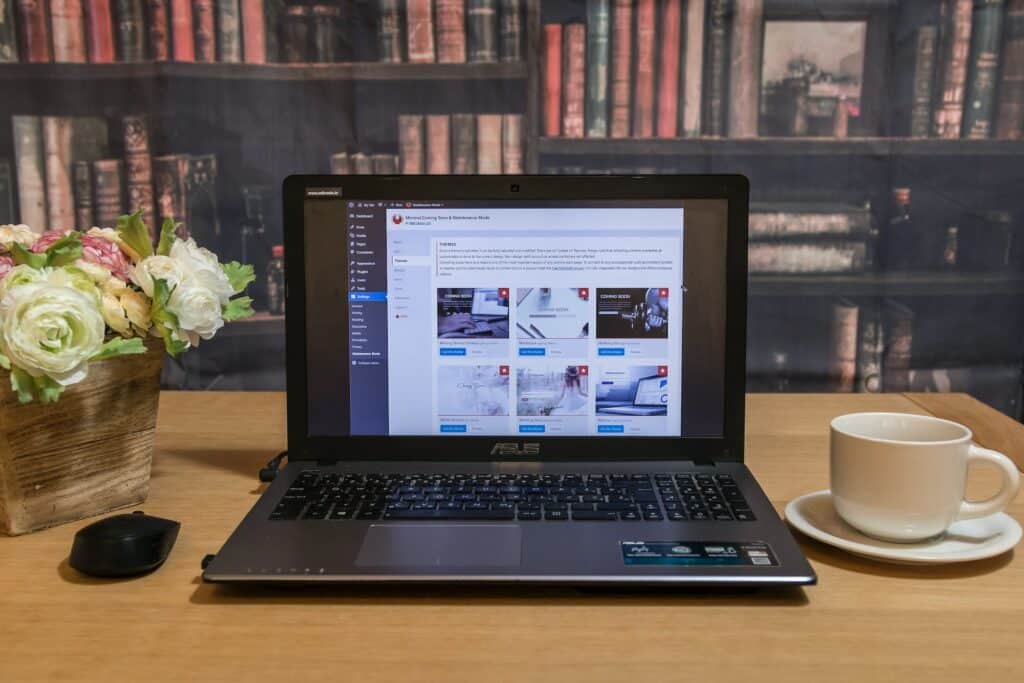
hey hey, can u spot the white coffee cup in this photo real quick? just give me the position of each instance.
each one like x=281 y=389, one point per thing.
x=902 y=477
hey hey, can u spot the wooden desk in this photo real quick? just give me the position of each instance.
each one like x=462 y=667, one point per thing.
x=864 y=621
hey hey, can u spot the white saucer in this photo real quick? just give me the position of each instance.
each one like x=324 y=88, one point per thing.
x=972 y=539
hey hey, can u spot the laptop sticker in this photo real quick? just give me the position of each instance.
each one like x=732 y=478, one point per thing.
x=698 y=553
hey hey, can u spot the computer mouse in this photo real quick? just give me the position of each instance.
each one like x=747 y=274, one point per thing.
x=123 y=545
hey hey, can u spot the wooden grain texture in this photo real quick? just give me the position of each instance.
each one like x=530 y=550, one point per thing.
x=864 y=621
x=86 y=454
x=992 y=429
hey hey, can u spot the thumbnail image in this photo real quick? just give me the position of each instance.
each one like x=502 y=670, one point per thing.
x=554 y=390
x=636 y=390
x=472 y=313
x=552 y=312
x=472 y=390
x=632 y=313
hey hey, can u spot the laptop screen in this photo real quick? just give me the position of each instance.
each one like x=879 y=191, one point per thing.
x=511 y=318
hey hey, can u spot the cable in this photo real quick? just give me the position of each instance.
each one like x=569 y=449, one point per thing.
x=268 y=473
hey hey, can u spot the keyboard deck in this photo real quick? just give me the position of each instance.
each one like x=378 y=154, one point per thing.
x=683 y=496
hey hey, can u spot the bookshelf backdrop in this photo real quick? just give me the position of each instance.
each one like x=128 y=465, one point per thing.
x=884 y=141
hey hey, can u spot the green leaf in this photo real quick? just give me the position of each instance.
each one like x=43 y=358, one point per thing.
x=237 y=309
x=133 y=232
x=5 y=362
x=239 y=275
x=119 y=346
x=24 y=257
x=48 y=390
x=23 y=385
x=167 y=236
x=64 y=251
x=163 y=319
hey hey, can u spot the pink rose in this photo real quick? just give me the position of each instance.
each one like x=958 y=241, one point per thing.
x=96 y=250
x=6 y=263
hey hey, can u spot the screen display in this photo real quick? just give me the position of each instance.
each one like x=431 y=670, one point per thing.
x=512 y=318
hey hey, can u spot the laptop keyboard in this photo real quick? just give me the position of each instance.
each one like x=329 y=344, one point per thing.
x=678 y=497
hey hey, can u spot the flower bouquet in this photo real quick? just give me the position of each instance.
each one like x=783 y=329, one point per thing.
x=85 y=318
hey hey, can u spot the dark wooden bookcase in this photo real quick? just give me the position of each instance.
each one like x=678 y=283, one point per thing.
x=267 y=121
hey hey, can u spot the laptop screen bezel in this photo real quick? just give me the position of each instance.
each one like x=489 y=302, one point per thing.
x=304 y=446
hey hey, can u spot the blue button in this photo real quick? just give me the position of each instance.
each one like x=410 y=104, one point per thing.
x=453 y=351
x=611 y=429
x=368 y=296
x=453 y=428
x=532 y=351
x=611 y=351
x=531 y=429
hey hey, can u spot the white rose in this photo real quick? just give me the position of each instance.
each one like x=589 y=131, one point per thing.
x=198 y=310
x=50 y=330
x=22 y=234
x=159 y=268
x=204 y=266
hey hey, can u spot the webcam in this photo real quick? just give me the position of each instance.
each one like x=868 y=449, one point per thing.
x=514 y=187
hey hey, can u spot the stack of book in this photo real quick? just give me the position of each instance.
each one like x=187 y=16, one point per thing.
x=685 y=68
x=807 y=237
x=450 y=31
x=66 y=177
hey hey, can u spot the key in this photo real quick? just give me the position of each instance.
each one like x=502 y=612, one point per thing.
x=594 y=516
x=676 y=516
x=631 y=516
x=556 y=515
x=615 y=507
x=652 y=516
x=582 y=507
x=529 y=515
x=745 y=516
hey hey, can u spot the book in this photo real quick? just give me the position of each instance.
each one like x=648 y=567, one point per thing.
x=254 y=32
x=108 y=200
x=488 y=144
x=295 y=34
x=842 y=345
x=8 y=33
x=389 y=31
x=131 y=36
x=451 y=31
x=138 y=166
x=7 y=192
x=60 y=204
x=159 y=28
x=744 y=70
x=81 y=180
x=596 y=79
x=717 y=75
x=340 y=164
x=553 y=79
x=785 y=220
x=439 y=144
x=693 y=69
x=643 y=95
x=668 y=69
x=89 y=138
x=983 y=70
x=463 y=131
x=924 y=80
x=1010 y=116
x=838 y=256
x=30 y=170
x=574 y=57
x=33 y=31
x=898 y=321
x=915 y=53
x=183 y=46
x=201 y=215
x=512 y=143
x=361 y=164
x=228 y=35
x=622 y=64
x=385 y=164
x=410 y=144
x=419 y=30
x=203 y=24
x=67 y=23
x=510 y=31
x=327 y=38
x=170 y=175
x=482 y=30
x=956 y=44
x=869 y=351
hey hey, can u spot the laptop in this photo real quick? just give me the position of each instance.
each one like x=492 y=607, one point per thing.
x=649 y=398
x=418 y=456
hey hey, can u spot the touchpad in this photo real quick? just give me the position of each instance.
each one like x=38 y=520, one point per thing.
x=441 y=546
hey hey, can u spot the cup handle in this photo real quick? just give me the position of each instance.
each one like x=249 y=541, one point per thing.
x=998 y=502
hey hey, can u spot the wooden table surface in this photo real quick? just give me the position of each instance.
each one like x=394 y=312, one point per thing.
x=863 y=621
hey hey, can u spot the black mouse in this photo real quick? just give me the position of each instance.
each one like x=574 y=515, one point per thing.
x=123 y=545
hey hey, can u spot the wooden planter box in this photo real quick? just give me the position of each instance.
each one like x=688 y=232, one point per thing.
x=86 y=454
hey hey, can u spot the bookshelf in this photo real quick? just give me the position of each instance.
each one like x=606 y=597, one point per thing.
x=265 y=121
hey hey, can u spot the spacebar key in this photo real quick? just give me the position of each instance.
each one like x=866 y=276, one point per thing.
x=476 y=514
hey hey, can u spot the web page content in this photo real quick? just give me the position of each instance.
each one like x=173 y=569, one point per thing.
x=535 y=321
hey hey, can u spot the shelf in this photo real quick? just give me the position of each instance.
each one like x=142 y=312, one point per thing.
x=868 y=147
x=891 y=284
x=353 y=71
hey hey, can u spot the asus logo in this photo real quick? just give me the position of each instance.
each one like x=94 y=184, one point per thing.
x=513 y=448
